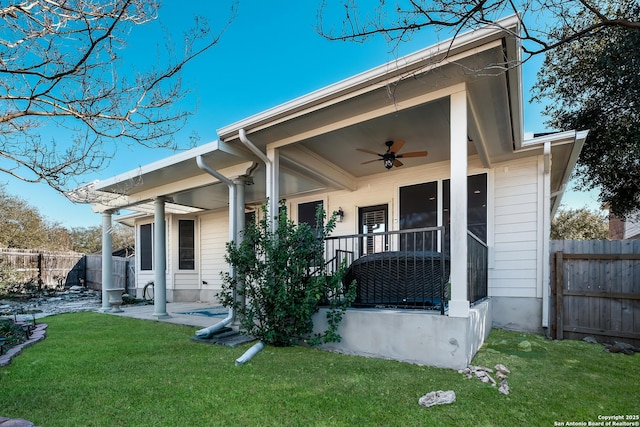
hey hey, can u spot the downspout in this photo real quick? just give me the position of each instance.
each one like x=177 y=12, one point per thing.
x=271 y=198
x=232 y=236
x=546 y=232
x=273 y=207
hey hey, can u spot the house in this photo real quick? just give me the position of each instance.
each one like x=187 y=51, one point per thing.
x=620 y=229
x=460 y=101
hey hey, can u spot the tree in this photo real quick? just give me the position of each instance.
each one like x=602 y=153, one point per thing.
x=283 y=275
x=579 y=224
x=590 y=74
x=23 y=227
x=397 y=21
x=595 y=84
x=88 y=240
x=60 y=66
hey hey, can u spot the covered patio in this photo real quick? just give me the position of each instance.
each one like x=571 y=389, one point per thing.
x=460 y=101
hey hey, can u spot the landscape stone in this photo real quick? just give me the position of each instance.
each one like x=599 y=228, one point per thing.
x=437 y=398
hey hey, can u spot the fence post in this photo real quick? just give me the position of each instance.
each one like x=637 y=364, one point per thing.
x=40 y=271
x=559 y=289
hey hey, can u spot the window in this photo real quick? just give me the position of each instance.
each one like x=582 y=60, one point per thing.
x=476 y=205
x=186 y=244
x=146 y=247
x=307 y=213
x=419 y=208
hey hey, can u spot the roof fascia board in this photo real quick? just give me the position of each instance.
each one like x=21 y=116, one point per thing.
x=158 y=165
x=197 y=181
x=580 y=138
x=117 y=201
x=514 y=74
x=558 y=138
x=453 y=50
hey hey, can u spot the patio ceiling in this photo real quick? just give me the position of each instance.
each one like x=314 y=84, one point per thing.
x=186 y=187
x=409 y=103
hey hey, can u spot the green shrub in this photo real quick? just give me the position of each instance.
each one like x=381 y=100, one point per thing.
x=12 y=333
x=283 y=277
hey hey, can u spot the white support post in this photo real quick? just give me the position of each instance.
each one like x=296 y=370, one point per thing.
x=239 y=184
x=459 y=303
x=107 y=260
x=273 y=186
x=160 y=260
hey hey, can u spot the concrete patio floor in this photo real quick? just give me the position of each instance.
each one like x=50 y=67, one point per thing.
x=197 y=314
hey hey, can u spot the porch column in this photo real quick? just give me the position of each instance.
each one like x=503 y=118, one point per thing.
x=273 y=186
x=459 y=303
x=107 y=260
x=159 y=260
x=239 y=184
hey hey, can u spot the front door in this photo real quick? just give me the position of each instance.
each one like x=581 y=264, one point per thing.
x=373 y=220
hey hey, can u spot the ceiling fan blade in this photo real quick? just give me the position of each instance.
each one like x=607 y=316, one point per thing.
x=414 y=154
x=370 y=161
x=368 y=151
x=397 y=163
x=397 y=146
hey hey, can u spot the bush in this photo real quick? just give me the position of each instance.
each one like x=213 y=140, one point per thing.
x=284 y=279
x=12 y=333
x=11 y=284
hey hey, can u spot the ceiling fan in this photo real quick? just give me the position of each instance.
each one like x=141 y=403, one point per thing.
x=391 y=156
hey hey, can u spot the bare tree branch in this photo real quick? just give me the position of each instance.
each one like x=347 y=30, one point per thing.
x=397 y=21
x=59 y=67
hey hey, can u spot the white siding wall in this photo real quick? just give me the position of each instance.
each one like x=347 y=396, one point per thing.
x=632 y=228
x=214 y=234
x=379 y=189
x=513 y=225
x=517 y=205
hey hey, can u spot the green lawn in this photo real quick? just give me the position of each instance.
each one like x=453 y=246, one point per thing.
x=99 y=370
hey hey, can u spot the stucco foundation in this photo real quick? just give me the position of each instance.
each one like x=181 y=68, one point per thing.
x=412 y=336
x=517 y=314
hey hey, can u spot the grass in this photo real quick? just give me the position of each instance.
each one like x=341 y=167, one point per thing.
x=99 y=370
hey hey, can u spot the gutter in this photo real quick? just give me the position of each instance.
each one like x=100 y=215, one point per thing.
x=232 y=236
x=271 y=177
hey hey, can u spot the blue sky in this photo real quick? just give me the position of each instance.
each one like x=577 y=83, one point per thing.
x=270 y=54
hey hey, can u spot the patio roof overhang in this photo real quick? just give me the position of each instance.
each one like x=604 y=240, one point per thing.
x=406 y=99
x=317 y=135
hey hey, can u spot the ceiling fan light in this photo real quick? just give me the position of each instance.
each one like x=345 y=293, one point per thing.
x=388 y=163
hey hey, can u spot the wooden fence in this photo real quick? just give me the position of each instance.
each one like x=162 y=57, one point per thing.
x=123 y=273
x=596 y=290
x=64 y=269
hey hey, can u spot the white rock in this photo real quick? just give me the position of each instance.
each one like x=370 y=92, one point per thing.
x=502 y=368
x=437 y=398
x=504 y=387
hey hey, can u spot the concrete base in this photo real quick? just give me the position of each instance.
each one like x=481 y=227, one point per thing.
x=210 y=295
x=185 y=295
x=413 y=336
x=517 y=314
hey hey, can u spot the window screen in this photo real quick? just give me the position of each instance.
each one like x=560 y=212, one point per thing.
x=146 y=247
x=186 y=244
x=307 y=212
